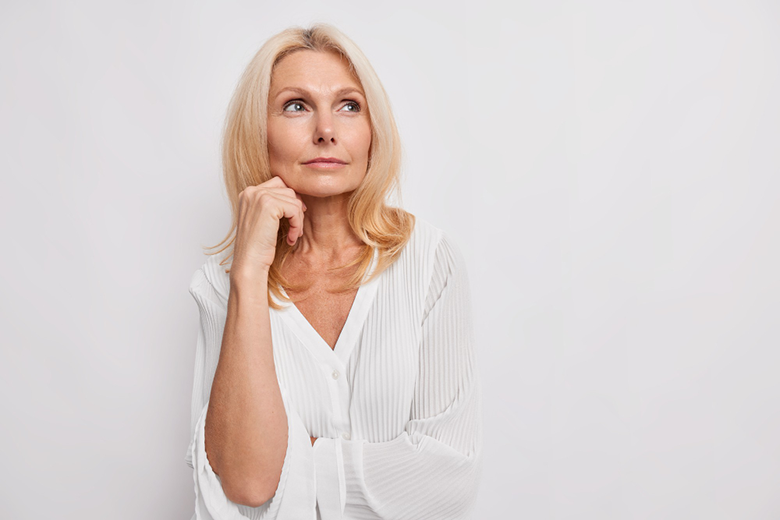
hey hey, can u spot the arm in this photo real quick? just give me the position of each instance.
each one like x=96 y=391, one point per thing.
x=431 y=470
x=294 y=494
x=246 y=403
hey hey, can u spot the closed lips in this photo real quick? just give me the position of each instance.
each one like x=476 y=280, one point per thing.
x=326 y=160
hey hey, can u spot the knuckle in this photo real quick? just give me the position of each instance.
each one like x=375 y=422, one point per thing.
x=246 y=192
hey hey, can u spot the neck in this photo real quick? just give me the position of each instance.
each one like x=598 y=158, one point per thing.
x=327 y=236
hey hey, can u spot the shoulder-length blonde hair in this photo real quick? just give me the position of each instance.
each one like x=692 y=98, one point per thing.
x=245 y=160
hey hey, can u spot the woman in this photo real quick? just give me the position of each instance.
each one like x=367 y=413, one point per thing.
x=335 y=370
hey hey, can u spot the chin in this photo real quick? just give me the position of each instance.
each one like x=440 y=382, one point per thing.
x=325 y=191
x=324 y=186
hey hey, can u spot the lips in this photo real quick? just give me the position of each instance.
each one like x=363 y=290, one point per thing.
x=332 y=160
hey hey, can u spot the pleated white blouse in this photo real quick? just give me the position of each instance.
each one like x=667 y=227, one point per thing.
x=395 y=406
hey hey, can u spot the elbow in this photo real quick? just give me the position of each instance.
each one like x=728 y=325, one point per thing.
x=249 y=481
x=247 y=496
x=250 y=492
x=247 y=490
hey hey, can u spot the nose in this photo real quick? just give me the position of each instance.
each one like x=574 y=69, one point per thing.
x=324 y=130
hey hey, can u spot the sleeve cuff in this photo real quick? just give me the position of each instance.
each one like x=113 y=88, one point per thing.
x=210 y=499
x=188 y=456
x=295 y=495
x=339 y=473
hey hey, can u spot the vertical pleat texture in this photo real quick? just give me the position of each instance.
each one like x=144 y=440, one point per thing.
x=432 y=469
x=413 y=409
x=212 y=316
x=300 y=374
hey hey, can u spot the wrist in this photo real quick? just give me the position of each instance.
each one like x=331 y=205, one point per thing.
x=249 y=284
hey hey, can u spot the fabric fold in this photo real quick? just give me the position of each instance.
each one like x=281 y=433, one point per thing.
x=413 y=476
x=397 y=418
x=294 y=497
x=431 y=469
x=331 y=484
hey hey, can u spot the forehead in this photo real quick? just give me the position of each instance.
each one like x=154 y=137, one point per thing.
x=315 y=70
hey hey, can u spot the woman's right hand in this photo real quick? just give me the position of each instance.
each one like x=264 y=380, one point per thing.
x=260 y=208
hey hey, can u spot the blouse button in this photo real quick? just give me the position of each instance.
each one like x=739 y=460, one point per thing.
x=346 y=435
x=335 y=374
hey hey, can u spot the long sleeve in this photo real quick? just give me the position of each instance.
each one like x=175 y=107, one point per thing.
x=296 y=493
x=432 y=469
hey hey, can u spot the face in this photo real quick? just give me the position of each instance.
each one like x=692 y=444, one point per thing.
x=316 y=108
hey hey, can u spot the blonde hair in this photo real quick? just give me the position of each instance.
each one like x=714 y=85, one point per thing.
x=245 y=159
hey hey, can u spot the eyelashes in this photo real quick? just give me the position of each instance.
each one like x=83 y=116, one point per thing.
x=299 y=102
x=289 y=104
x=356 y=104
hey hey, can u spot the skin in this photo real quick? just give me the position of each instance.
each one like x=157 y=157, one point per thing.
x=316 y=121
x=319 y=122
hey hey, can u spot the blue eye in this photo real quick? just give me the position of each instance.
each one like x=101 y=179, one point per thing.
x=355 y=104
x=292 y=103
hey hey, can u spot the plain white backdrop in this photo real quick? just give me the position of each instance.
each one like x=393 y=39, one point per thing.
x=610 y=170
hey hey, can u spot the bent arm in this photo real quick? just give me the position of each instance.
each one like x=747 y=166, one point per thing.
x=246 y=423
x=417 y=475
x=250 y=453
x=432 y=469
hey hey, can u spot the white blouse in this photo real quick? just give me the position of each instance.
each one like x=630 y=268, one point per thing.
x=395 y=406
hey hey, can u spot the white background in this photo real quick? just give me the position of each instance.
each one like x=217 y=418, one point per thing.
x=610 y=170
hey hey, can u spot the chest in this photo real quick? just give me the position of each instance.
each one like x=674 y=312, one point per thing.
x=326 y=311
x=348 y=361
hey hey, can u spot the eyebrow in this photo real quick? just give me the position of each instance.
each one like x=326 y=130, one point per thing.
x=303 y=91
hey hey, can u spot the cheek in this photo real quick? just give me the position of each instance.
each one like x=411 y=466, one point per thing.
x=282 y=142
x=364 y=140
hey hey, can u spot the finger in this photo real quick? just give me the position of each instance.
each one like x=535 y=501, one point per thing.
x=298 y=196
x=287 y=193
x=275 y=181
x=283 y=195
x=290 y=191
x=287 y=197
x=292 y=211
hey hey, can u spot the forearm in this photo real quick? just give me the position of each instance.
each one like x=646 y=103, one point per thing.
x=246 y=424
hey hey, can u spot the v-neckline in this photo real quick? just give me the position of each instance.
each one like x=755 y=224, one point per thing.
x=351 y=330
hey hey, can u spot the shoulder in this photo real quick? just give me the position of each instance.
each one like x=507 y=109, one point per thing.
x=440 y=246
x=439 y=255
x=427 y=235
x=425 y=241
x=210 y=281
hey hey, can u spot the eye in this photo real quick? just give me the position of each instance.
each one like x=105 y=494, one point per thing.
x=355 y=105
x=292 y=103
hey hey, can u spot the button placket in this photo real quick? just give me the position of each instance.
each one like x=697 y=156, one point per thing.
x=340 y=398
